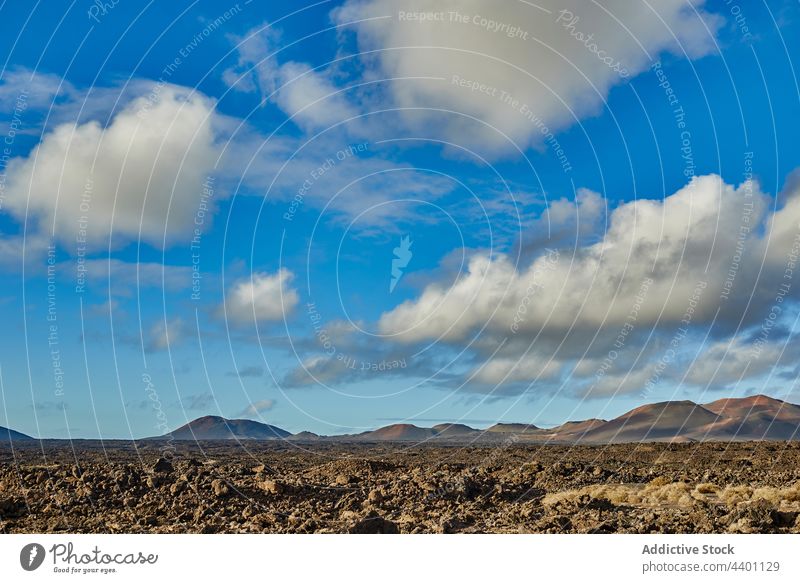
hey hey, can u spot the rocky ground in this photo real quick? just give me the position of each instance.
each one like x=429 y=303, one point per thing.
x=282 y=487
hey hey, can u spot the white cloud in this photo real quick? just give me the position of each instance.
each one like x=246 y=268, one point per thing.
x=687 y=238
x=503 y=370
x=548 y=62
x=139 y=178
x=258 y=407
x=256 y=68
x=311 y=98
x=306 y=95
x=732 y=360
x=263 y=297
x=31 y=90
x=633 y=309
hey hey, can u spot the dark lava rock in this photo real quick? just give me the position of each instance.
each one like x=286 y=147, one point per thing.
x=162 y=466
x=372 y=523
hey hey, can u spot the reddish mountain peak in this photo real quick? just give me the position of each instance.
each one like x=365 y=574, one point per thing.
x=662 y=407
x=452 y=428
x=754 y=402
x=512 y=428
x=399 y=431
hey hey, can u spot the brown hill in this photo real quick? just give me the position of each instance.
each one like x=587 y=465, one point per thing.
x=214 y=427
x=657 y=422
x=398 y=432
x=576 y=429
x=757 y=417
x=454 y=430
x=7 y=435
x=514 y=428
x=305 y=436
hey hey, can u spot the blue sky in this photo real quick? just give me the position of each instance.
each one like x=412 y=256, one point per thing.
x=201 y=204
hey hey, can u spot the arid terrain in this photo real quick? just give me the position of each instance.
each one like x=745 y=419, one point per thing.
x=292 y=487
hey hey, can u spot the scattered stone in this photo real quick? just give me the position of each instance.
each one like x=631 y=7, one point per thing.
x=630 y=488
x=162 y=466
x=177 y=487
x=220 y=488
x=373 y=523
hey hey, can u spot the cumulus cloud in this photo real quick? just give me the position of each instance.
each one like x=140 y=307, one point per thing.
x=661 y=273
x=687 y=238
x=557 y=60
x=260 y=298
x=138 y=178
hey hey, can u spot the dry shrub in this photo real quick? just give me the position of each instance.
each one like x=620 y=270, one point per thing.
x=784 y=498
x=657 y=492
x=706 y=488
x=675 y=493
x=733 y=495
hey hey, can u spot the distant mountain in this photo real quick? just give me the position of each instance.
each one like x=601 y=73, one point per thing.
x=657 y=422
x=214 y=427
x=758 y=417
x=305 y=436
x=11 y=435
x=513 y=428
x=576 y=429
x=455 y=430
x=751 y=418
x=397 y=432
x=408 y=432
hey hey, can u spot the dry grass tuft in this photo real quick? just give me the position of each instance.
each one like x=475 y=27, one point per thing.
x=661 y=492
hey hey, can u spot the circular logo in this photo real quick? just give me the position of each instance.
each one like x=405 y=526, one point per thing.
x=31 y=556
